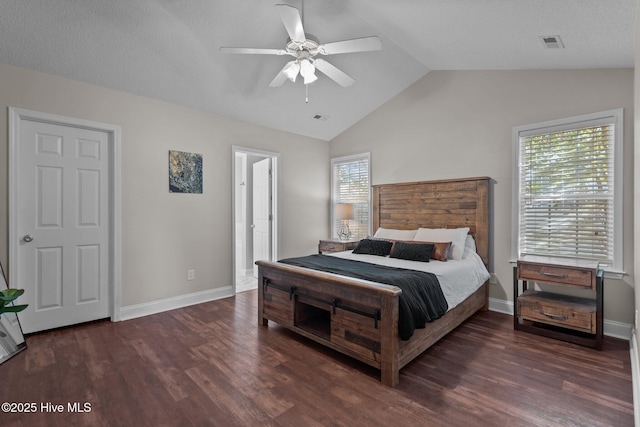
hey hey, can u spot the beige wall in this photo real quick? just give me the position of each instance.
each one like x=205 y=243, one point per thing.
x=165 y=234
x=459 y=124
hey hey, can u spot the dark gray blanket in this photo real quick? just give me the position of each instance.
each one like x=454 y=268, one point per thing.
x=421 y=300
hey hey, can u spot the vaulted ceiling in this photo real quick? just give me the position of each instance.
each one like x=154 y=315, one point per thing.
x=169 y=49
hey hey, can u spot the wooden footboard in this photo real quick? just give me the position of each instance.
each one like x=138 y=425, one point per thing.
x=355 y=317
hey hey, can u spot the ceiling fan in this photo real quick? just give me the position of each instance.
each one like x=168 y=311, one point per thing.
x=304 y=48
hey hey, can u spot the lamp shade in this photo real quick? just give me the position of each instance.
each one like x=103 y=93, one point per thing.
x=307 y=70
x=291 y=70
x=344 y=211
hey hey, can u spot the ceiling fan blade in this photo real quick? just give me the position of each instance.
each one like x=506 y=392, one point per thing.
x=255 y=51
x=347 y=46
x=292 y=22
x=280 y=78
x=333 y=72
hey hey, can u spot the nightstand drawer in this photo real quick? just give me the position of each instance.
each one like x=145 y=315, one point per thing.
x=555 y=274
x=336 y=245
x=331 y=247
x=568 y=312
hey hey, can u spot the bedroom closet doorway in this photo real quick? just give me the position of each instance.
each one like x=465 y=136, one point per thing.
x=254 y=213
x=64 y=219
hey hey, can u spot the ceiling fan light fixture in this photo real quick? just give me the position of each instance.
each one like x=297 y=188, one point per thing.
x=304 y=48
x=307 y=70
x=310 y=79
x=291 y=70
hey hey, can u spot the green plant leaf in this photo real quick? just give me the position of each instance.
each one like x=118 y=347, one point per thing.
x=10 y=294
x=13 y=308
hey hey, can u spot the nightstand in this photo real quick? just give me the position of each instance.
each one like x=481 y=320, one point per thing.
x=328 y=246
x=574 y=319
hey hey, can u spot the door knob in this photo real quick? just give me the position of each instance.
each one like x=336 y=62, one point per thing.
x=28 y=238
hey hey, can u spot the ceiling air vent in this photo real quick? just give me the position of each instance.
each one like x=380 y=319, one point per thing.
x=320 y=117
x=552 y=42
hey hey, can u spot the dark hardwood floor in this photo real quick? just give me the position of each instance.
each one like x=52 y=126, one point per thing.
x=211 y=364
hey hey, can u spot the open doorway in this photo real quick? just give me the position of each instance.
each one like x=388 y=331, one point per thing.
x=254 y=213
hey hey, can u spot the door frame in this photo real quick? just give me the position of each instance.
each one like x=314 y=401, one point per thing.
x=274 y=202
x=16 y=116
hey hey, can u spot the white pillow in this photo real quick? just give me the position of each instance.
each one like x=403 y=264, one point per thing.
x=470 y=243
x=393 y=234
x=457 y=237
x=469 y=246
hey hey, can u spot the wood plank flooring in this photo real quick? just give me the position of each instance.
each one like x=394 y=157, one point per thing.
x=212 y=365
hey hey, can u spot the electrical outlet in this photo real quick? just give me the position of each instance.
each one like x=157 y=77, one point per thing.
x=191 y=274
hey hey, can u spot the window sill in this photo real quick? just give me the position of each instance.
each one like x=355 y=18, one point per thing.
x=617 y=275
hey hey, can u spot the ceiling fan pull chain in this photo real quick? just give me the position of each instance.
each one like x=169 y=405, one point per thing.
x=306 y=90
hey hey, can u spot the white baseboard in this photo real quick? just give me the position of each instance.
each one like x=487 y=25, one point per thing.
x=611 y=327
x=635 y=371
x=501 y=306
x=617 y=329
x=153 y=307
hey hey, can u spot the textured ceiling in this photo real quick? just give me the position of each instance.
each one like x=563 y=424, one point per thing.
x=168 y=49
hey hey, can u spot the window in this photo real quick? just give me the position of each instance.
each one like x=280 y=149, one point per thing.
x=350 y=183
x=567 y=189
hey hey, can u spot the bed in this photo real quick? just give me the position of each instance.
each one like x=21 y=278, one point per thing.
x=359 y=317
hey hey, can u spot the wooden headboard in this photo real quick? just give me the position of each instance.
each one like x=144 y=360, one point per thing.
x=451 y=203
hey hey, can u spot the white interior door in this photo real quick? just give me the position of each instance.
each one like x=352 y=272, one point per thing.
x=63 y=224
x=261 y=224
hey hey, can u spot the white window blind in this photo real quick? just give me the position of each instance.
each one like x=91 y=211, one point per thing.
x=567 y=190
x=350 y=183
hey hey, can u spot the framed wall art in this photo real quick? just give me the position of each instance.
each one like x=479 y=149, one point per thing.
x=185 y=172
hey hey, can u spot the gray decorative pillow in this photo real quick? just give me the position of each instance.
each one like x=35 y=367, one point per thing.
x=373 y=247
x=412 y=251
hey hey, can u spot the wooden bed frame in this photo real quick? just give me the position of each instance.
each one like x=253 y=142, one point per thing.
x=360 y=318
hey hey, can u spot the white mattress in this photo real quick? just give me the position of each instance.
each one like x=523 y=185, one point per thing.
x=458 y=279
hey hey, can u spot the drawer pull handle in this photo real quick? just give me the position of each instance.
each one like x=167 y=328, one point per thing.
x=561 y=276
x=554 y=316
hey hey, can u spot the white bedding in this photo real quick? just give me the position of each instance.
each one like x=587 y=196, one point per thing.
x=458 y=279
